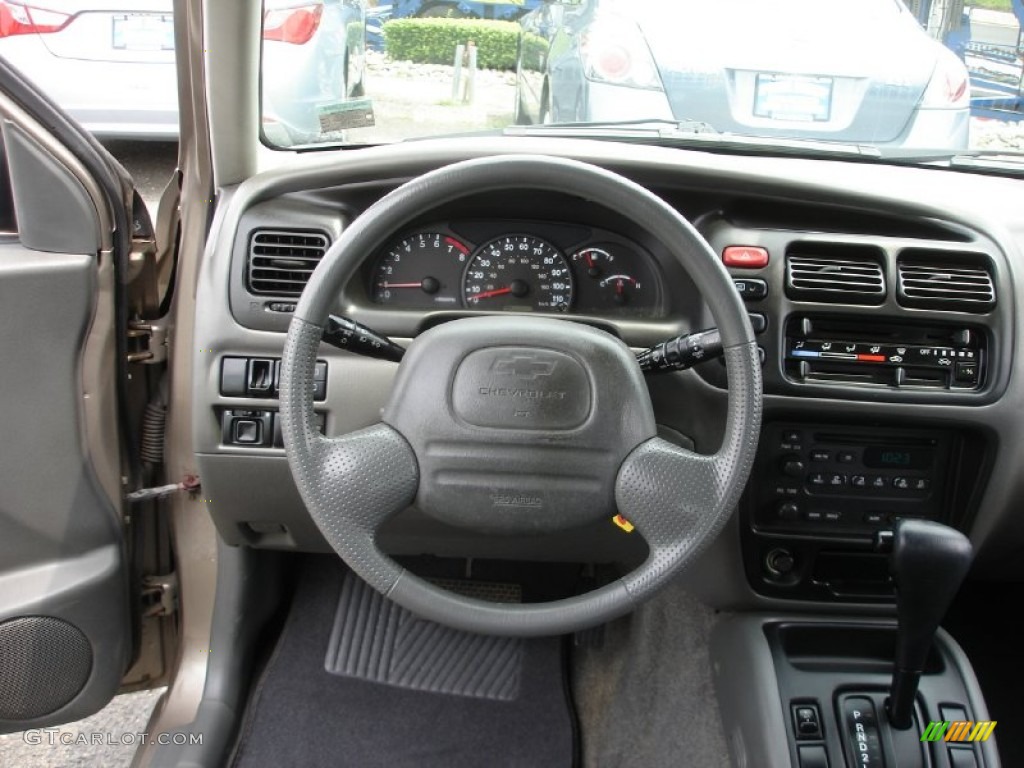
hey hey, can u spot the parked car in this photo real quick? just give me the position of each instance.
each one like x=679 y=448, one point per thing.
x=113 y=69
x=855 y=72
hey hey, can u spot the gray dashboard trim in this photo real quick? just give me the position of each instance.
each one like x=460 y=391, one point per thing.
x=987 y=206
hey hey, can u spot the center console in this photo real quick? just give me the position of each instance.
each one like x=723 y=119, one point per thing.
x=820 y=491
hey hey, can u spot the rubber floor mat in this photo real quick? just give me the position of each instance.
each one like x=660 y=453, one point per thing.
x=375 y=639
x=301 y=714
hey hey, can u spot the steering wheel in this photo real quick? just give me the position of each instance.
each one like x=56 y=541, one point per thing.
x=518 y=424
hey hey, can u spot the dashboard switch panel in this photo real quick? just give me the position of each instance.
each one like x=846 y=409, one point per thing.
x=751 y=289
x=260 y=377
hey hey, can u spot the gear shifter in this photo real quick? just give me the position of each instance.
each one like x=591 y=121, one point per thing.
x=928 y=563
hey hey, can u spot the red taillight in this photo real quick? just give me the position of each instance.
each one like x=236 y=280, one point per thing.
x=292 y=25
x=17 y=19
x=612 y=63
x=950 y=85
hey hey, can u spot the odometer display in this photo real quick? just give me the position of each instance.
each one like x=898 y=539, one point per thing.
x=518 y=273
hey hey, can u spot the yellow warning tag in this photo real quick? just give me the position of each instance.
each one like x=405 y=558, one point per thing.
x=623 y=523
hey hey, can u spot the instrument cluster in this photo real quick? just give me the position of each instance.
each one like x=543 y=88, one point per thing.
x=516 y=266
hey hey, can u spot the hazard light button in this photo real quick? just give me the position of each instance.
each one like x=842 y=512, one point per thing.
x=745 y=256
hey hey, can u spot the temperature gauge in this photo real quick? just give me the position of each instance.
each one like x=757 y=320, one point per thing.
x=613 y=277
x=622 y=289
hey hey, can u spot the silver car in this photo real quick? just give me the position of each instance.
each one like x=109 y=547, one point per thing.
x=853 y=71
x=113 y=69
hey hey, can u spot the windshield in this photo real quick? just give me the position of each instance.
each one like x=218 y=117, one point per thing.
x=921 y=75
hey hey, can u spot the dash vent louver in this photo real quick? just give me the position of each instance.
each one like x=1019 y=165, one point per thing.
x=281 y=261
x=941 y=280
x=836 y=274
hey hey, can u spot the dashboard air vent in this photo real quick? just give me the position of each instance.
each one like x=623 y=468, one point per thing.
x=281 y=261
x=835 y=273
x=940 y=280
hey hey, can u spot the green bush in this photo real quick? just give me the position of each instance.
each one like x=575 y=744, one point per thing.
x=433 y=41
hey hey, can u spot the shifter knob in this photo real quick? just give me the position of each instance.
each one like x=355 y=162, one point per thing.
x=928 y=563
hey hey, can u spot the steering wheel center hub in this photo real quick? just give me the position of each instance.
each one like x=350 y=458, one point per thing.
x=519 y=425
x=521 y=388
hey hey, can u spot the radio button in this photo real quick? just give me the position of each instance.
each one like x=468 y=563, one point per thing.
x=813 y=517
x=816 y=479
x=820 y=455
x=788 y=510
x=793 y=466
x=791 y=437
x=858 y=481
x=846 y=457
x=875 y=518
x=921 y=484
x=833 y=517
x=878 y=481
x=837 y=480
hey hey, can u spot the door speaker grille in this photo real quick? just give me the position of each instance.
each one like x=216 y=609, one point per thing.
x=46 y=663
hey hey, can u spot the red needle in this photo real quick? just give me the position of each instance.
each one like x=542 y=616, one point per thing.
x=403 y=285
x=618 y=287
x=590 y=260
x=489 y=294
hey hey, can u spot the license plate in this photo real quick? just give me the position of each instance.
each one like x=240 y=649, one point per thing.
x=143 y=32
x=793 y=97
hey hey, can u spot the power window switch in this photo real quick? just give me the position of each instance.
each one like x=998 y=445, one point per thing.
x=811 y=756
x=806 y=721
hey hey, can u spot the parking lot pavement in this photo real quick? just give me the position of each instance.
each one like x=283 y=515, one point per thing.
x=108 y=739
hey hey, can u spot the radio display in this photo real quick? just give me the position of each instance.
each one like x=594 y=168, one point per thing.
x=897 y=457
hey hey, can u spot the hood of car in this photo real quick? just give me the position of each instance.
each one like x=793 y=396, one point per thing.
x=848 y=71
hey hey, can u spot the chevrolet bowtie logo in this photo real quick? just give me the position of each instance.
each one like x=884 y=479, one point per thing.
x=524 y=366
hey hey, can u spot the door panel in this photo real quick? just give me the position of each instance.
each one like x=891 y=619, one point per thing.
x=65 y=627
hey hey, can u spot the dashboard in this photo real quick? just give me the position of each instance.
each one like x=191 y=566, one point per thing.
x=884 y=301
x=516 y=266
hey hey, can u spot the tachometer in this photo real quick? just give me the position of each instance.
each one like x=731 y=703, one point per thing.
x=518 y=272
x=420 y=271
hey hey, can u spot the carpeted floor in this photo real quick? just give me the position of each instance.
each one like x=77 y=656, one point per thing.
x=646 y=698
x=302 y=715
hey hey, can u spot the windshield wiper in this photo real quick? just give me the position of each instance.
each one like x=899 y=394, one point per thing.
x=694 y=133
x=994 y=160
x=659 y=126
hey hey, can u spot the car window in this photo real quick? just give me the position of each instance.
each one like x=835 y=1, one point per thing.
x=916 y=76
x=893 y=76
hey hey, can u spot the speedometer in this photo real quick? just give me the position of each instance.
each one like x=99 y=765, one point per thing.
x=518 y=273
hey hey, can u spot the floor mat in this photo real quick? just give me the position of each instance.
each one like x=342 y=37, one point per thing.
x=374 y=639
x=303 y=715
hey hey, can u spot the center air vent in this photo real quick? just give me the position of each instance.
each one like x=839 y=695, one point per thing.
x=940 y=280
x=280 y=261
x=835 y=273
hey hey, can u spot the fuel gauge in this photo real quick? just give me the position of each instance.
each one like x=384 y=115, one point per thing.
x=615 y=278
x=594 y=262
